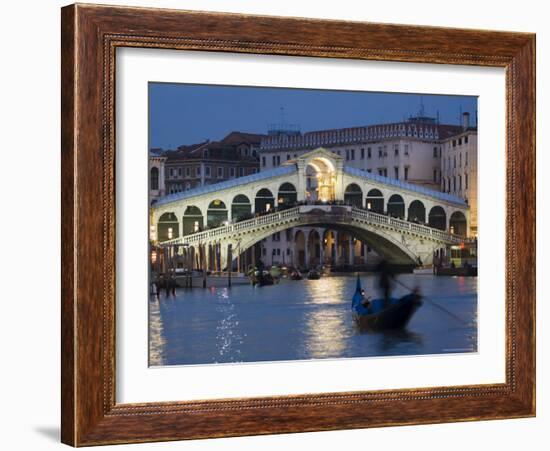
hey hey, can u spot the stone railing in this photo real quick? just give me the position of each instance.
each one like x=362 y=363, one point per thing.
x=295 y=214
x=254 y=223
x=401 y=224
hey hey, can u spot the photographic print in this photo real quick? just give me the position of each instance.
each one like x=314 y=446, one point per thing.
x=294 y=224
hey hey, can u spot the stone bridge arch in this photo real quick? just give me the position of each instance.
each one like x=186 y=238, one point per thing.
x=396 y=251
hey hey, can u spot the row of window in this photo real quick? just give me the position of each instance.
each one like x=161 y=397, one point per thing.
x=244 y=151
x=447 y=163
x=459 y=141
x=453 y=184
x=396 y=175
x=221 y=172
x=178 y=187
x=275 y=251
x=382 y=152
x=351 y=154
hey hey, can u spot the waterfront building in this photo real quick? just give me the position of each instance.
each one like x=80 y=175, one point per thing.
x=192 y=166
x=459 y=169
x=408 y=151
x=415 y=151
x=156 y=174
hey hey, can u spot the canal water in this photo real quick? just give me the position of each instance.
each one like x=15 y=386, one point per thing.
x=307 y=319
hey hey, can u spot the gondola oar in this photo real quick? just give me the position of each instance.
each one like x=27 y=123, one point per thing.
x=435 y=304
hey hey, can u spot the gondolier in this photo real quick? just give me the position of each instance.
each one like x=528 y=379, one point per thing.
x=384 y=281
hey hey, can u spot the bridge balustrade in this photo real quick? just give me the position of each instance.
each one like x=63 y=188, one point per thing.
x=292 y=213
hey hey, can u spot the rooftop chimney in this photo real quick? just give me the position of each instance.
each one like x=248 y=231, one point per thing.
x=465 y=121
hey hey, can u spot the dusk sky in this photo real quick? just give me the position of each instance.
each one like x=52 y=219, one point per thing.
x=186 y=114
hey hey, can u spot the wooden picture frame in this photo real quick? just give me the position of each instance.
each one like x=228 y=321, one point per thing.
x=90 y=36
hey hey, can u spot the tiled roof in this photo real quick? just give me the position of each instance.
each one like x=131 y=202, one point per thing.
x=225 y=149
x=263 y=175
x=216 y=151
x=235 y=138
x=404 y=185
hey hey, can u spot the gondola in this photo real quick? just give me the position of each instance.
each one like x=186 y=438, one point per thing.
x=313 y=275
x=264 y=278
x=376 y=317
x=295 y=275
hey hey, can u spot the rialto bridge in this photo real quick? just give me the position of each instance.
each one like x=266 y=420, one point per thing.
x=402 y=222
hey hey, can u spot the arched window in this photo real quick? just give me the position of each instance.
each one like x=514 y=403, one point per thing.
x=457 y=223
x=241 y=207
x=216 y=214
x=437 y=218
x=396 y=206
x=375 y=201
x=416 y=212
x=167 y=227
x=287 y=195
x=154 y=178
x=193 y=220
x=264 y=201
x=353 y=195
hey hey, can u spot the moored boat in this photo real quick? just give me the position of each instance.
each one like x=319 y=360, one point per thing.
x=378 y=315
x=261 y=278
x=196 y=280
x=275 y=273
x=313 y=274
x=466 y=271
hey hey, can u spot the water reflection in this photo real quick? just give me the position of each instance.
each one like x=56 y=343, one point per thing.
x=393 y=339
x=228 y=335
x=308 y=319
x=157 y=344
x=324 y=335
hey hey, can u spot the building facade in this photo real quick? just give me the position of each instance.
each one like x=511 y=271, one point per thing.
x=420 y=151
x=459 y=168
x=156 y=175
x=210 y=162
x=408 y=151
